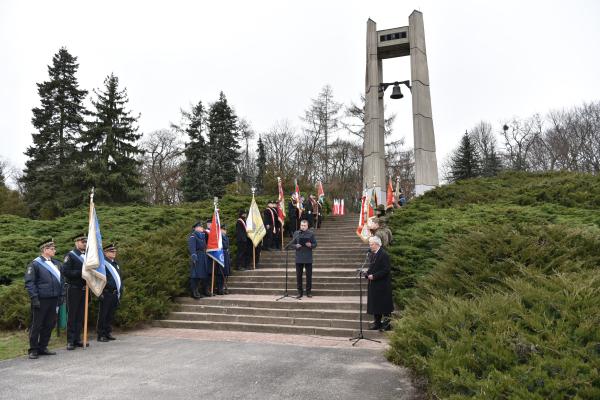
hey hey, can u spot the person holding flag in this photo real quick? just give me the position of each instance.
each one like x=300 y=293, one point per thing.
x=319 y=205
x=45 y=284
x=242 y=241
x=111 y=294
x=93 y=270
x=198 y=262
x=75 y=288
x=281 y=209
x=255 y=229
x=214 y=250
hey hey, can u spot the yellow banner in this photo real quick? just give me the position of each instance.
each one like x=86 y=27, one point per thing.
x=255 y=229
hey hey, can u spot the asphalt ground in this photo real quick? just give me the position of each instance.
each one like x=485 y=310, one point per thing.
x=149 y=365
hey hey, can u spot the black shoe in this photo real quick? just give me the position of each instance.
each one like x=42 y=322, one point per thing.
x=102 y=339
x=70 y=346
x=46 y=352
x=33 y=355
x=80 y=344
x=299 y=296
x=308 y=294
x=110 y=337
x=375 y=327
x=220 y=292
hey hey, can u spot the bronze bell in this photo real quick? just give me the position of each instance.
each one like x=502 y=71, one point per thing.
x=396 y=93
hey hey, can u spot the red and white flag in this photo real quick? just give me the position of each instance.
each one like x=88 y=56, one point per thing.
x=280 y=203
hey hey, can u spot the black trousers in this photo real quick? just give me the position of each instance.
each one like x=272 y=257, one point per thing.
x=106 y=312
x=268 y=239
x=75 y=310
x=42 y=322
x=277 y=239
x=241 y=260
x=299 y=268
x=378 y=318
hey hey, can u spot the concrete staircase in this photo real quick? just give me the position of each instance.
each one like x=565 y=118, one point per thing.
x=252 y=304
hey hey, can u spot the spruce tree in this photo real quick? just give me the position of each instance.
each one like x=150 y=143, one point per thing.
x=51 y=172
x=109 y=147
x=194 y=183
x=465 y=161
x=222 y=146
x=261 y=165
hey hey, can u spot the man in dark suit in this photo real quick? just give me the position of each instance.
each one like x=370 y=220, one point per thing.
x=269 y=219
x=75 y=288
x=379 y=295
x=46 y=287
x=304 y=242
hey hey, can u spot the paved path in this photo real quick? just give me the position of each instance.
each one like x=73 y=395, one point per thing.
x=154 y=364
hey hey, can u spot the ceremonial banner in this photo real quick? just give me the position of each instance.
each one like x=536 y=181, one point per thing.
x=390 y=195
x=298 y=201
x=397 y=193
x=362 y=231
x=93 y=270
x=214 y=247
x=280 y=203
x=342 y=208
x=255 y=229
x=320 y=192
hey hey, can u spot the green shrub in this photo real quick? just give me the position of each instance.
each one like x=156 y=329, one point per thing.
x=498 y=284
x=152 y=245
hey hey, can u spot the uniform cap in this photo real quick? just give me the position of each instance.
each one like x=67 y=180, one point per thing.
x=49 y=242
x=110 y=246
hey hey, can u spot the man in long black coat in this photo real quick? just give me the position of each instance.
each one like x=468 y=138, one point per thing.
x=75 y=288
x=241 y=239
x=379 y=296
x=304 y=242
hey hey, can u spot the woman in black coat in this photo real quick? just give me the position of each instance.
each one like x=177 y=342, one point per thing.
x=379 y=295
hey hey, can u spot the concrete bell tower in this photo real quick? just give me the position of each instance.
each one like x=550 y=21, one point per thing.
x=390 y=43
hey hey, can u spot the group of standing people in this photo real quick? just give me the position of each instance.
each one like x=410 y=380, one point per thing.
x=309 y=209
x=51 y=283
x=203 y=271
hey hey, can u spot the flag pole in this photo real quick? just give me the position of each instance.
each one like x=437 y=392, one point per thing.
x=85 y=313
x=212 y=285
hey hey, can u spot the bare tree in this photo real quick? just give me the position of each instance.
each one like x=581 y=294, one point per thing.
x=246 y=168
x=485 y=143
x=281 y=146
x=321 y=120
x=519 y=136
x=161 y=166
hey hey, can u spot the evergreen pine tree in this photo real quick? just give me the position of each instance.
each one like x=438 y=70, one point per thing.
x=465 y=161
x=194 y=184
x=261 y=165
x=491 y=164
x=222 y=146
x=50 y=174
x=109 y=147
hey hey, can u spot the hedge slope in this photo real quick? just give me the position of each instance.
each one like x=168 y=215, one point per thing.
x=499 y=280
x=152 y=251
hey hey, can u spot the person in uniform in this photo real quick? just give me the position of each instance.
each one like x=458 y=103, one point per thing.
x=45 y=284
x=269 y=219
x=304 y=242
x=198 y=261
x=308 y=210
x=75 y=289
x=277 y=232
x=293 y=215
x=318 y=212
x=242 y=241
x=379 y=292
x=111 y=295
x=227 y=257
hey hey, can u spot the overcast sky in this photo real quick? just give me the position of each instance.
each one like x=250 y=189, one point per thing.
x=489 y=60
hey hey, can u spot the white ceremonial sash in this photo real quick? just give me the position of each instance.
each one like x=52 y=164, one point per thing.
x=115 y=275
x=49 y=266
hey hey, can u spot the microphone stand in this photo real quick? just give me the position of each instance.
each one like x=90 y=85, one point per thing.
x=360 y=318
x=285 y=293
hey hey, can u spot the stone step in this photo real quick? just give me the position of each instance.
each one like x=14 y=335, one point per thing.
x=317 y=264
x=280 y=272
x=291 y=290
x=322 y=279
x=274 y=312
x=268 y=328
x=338 y=303
x=267 y=319
x=317 y=285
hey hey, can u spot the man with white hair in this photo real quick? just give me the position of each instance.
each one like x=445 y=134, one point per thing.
x=379 y=293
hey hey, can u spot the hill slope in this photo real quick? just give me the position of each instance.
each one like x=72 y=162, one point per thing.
x=499 y=279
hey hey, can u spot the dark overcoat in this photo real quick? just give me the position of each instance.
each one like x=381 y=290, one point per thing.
x=304 y=254
x=227 y=263
x=197 y=250
x=379 y=294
